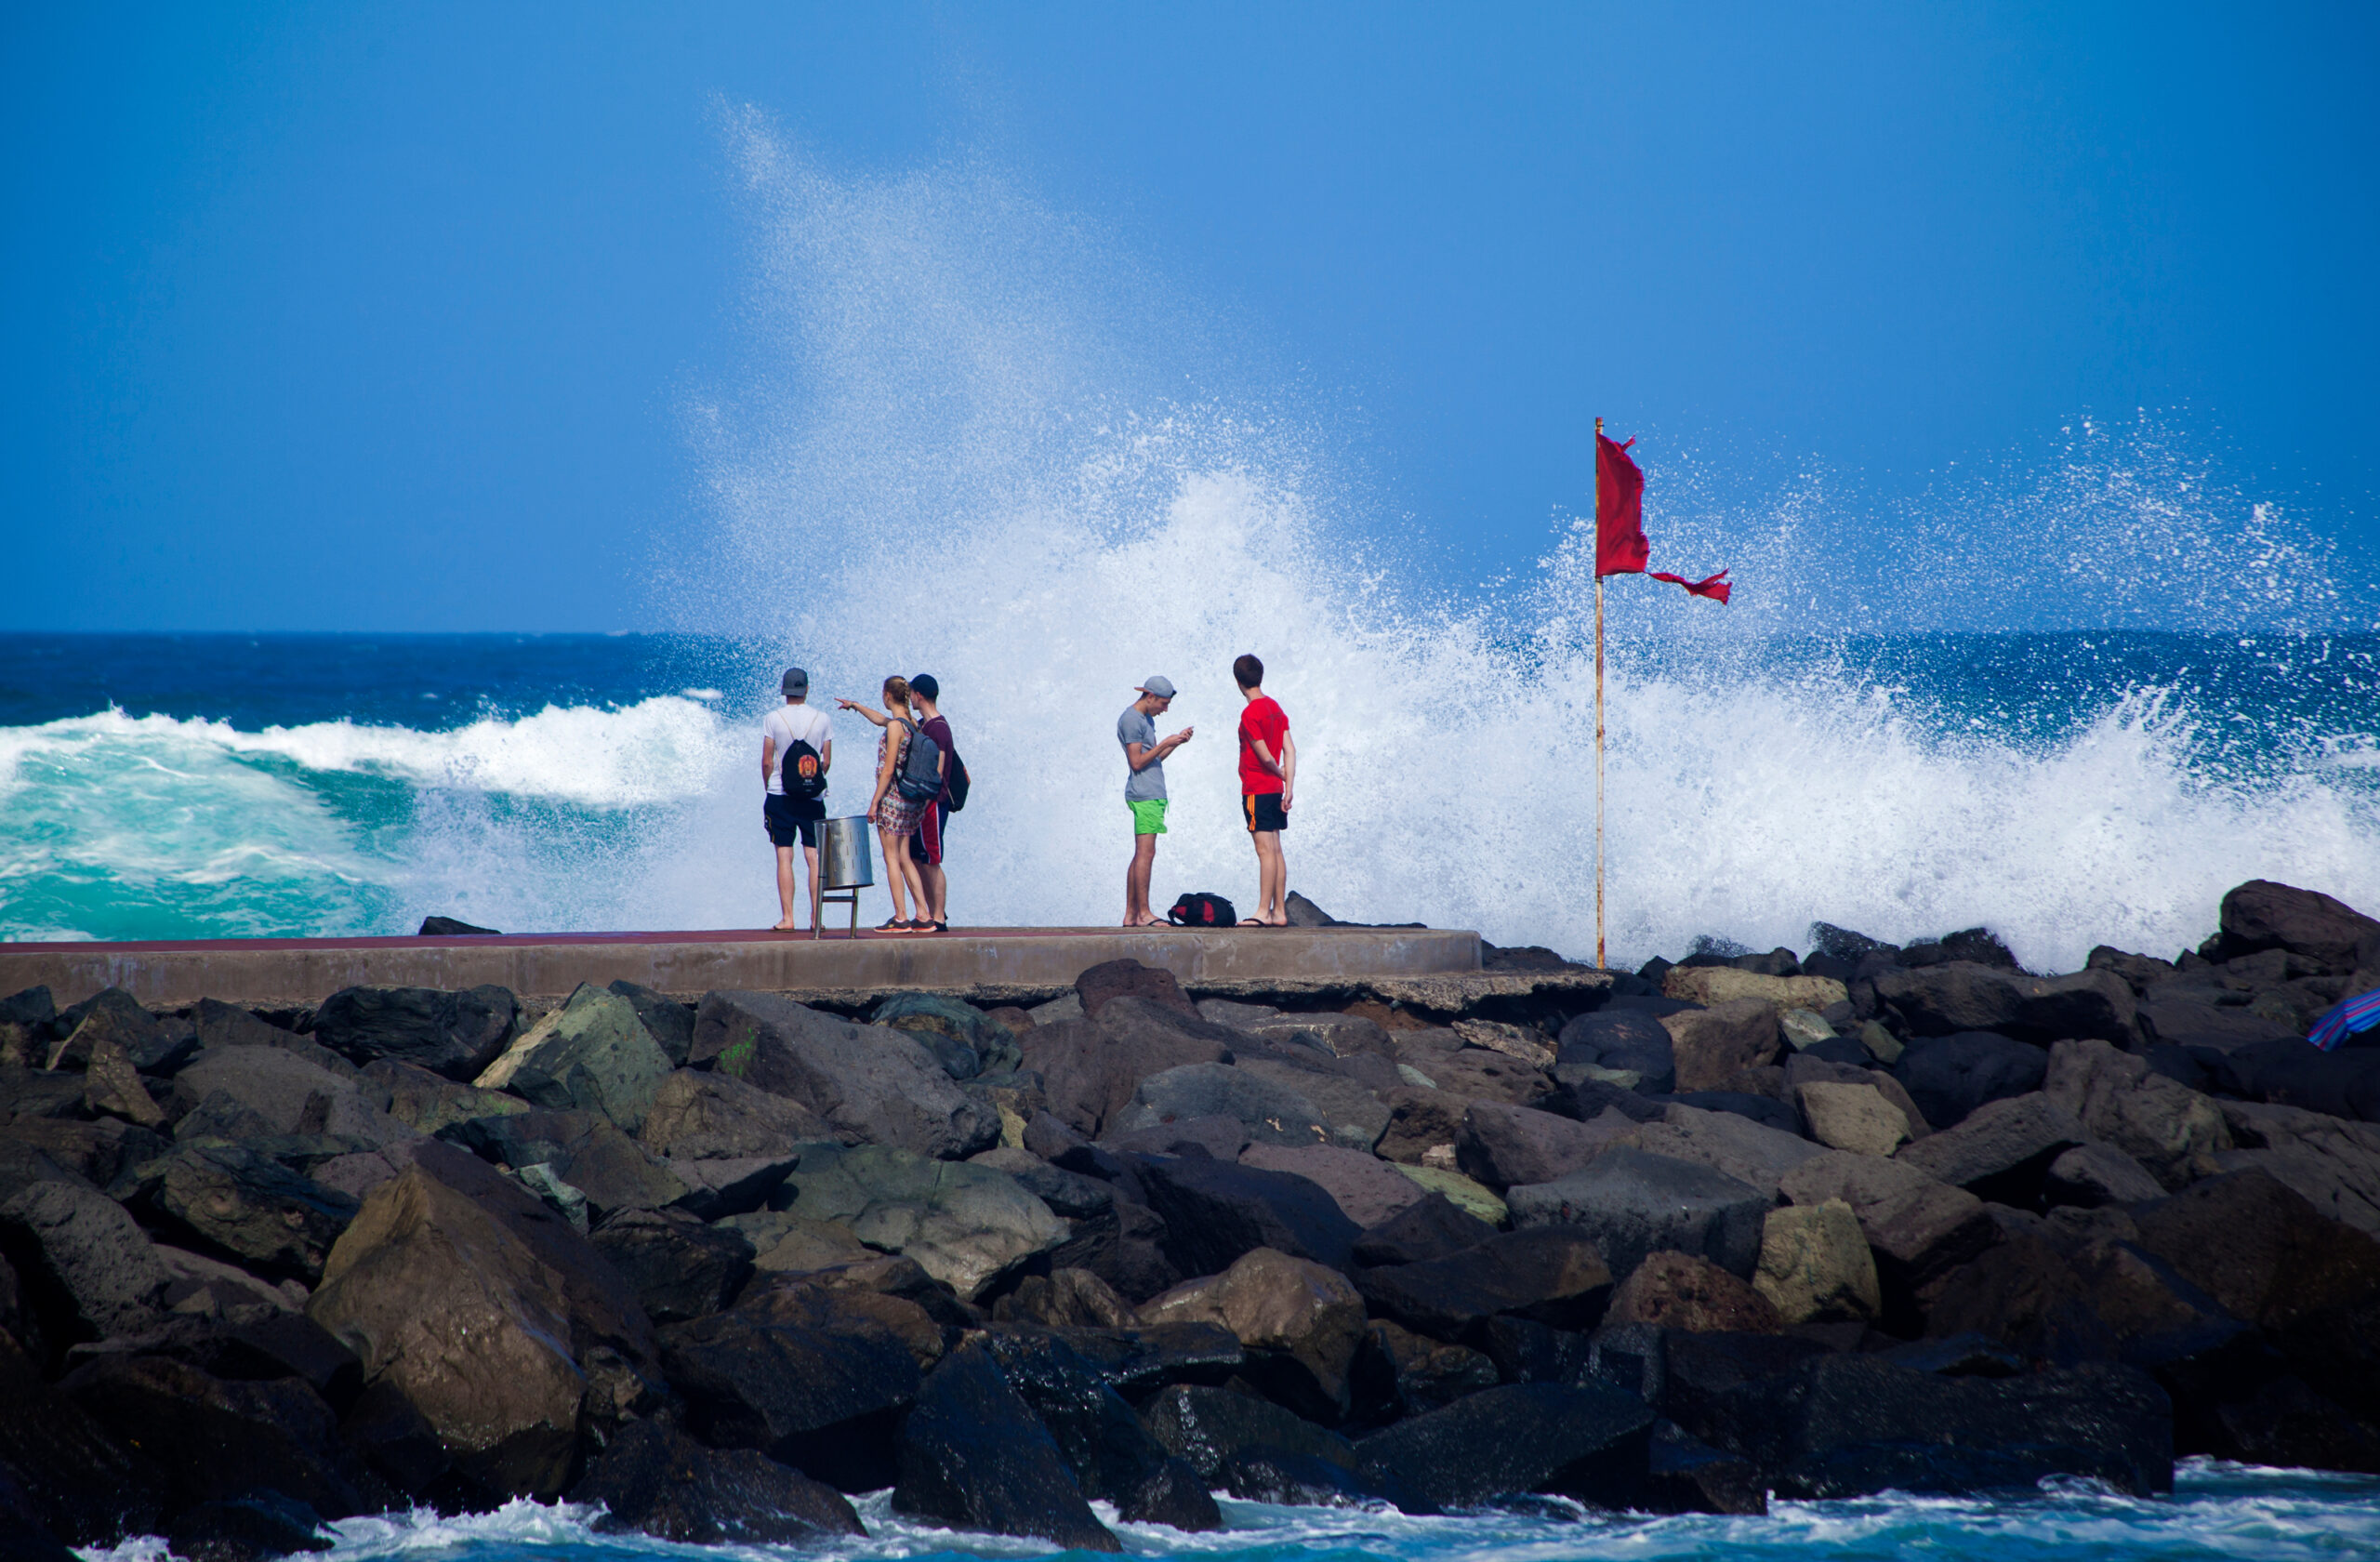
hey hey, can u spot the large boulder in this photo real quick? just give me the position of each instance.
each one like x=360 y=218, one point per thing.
x=2333 y=1164
x=1092 y=1068
x=236 y=1201
x=1630 y=1203
x=426 y=1102
x=25 y=1021
x=457 y=1034
x=1101 y=985
x=1849 y=1425
x=287 y=1093
x=1215 y=1430
x=1298 y=1322
x=1268 y=1113
x=1113 y=1456
x=1434 y=1226
x=63 y=1472
x=1589 y=1443
x=1683 y=1291
x=1917 y=1227
x=1553 y=1274
x=112 y=1087
x=968 y=1225
x=826 y=1401
x=1399 y=1374
x=969 y=1041
x=2000 y=1152
x=1852 y=1116
x=710 y=1116
x=580 y=1149
x=477 y=1307
x=1713 y=1045
x=670 y=1023
x=1815 y=1265
x=974 y=1456
x=1960 y=995
x=2263 y=915
x=592 y=1054
x=1216 y=1210
x=1625 y=1046
x=115 y=1015
x=1711 y=984
x=1950 y=1077
x=681 y=1269
x=2119 y=1100
x=1751 y=1152
x=2093 y=1176
x=1345 y=1092
x=1502 y=1145
x=34 y=1149
x=225 y=1025
x=84 y=1260
x=1367 y=1190
x=870 y=1082
x=656 y=1479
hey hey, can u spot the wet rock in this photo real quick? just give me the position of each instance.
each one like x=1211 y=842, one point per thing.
x=475 y=1304
x=592 y=1054
x=654 y=1479
x=1751 y=1152
x=1208 y=1428
x=1137 y=1362
x=2261 y=1249
x=1917 y=1228
x=89 y=1268
x=974 y=1456
x=828 y=1403
x=969 y=1226
x=1845 y=1425
x=2170 y=1128
x=1065 y=1298
x=668 y=1021
x=2092 y=1177
x=64 y=1472
x=1101 y=985
x=1713 y=1045
x=117 y=1016
x=2002 y=1151
x=1214 y=1212
x=581 y=1149
x=2261 y=914
x=217 y=1440
x=1367 y=1190
x=1630 y=1203
x=1113 y=1456
x=1434 y=1226
x=1607 y=1044
x=1962 y=996
x=252 y=1528
x=1687 y=1474
x=1501 y=1146
x=1681 y=1290
x=265 y=1346
x=1853 y=1118
x=1266 y=1112
x=1951 y=1076
x=1554 y=1275
x=266 y=1217
x=681 y=1267
x=875 y=1083
x=455 y=1034
x=1589 y=1442
x=1298 y=1322
x=2172 y=1020
x=1814 y=1266
x=1398 y=1374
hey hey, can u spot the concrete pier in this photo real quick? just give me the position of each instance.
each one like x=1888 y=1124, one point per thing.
x=992 y=964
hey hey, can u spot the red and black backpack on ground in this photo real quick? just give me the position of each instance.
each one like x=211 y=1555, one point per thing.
x=1201 y=909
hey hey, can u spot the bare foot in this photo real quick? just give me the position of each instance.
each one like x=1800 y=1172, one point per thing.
x=1148 y=921
x=785 y=927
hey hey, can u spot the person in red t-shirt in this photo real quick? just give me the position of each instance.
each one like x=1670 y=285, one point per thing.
x=1268 y=781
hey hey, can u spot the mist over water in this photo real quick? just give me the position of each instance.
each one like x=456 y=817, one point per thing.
x=2073 y=695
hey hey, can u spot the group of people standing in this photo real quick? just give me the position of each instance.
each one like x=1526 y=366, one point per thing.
x=918 y=781
x=1269 y=782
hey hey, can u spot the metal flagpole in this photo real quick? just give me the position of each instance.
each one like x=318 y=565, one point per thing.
x=1599 y=956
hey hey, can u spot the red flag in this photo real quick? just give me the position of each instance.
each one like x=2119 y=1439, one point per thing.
x=1715 y=587
x=1620 y=548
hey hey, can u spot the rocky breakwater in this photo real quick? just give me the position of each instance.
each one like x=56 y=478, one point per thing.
x=1809 y=1224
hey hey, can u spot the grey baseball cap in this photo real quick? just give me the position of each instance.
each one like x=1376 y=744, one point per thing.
x=796 y=681
x=1161 y=686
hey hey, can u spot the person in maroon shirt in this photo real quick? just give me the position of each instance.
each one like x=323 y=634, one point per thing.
x=925 y=847
x=1269 y=782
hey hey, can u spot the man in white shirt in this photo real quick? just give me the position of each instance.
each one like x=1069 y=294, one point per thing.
x=796 y=747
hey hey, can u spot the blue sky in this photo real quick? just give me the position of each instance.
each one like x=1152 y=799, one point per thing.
x=382 y=316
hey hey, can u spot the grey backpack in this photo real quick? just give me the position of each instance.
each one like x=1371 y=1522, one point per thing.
x=919 y=777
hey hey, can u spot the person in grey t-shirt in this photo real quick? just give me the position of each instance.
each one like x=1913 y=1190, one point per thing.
x=1145 y=790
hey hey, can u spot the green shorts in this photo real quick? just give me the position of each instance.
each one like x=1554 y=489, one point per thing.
x=1148 y=816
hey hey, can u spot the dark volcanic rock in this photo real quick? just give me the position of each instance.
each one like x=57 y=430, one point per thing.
x=1111 y=1454
x=1431 y=1227
x=1091 y=1069
x=1629 y=1203
x=1298 y=1322
x=222 y=1024
x=656 y=1479
x=1208 y=1428
x=1678 y=1290
x=1950 y=1077
x=681 y=1269
x=1101 y=985
x=60 y=1469
x=1502 y=1145
x=1267 y=1112
x=233 y=1200
x=670 y=1021
x=1552 y=1273
x=828 y=1404
x=1960 y=996
x=973 y=1456
x=1589 y=1442
x=1137 y=1362
x=869 y=1081
x=2263 y=915
x=248 y=1529
x=1846 y=1426
x=115 y=1016
x=1400 y=1373
x=2002 y=1151
x=710 y=1116
x=1609 y=1041
x=87 y=1269
x=1215 y=1211
x=455 y=1034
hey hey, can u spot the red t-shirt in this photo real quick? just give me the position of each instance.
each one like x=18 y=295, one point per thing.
x=1261 y=720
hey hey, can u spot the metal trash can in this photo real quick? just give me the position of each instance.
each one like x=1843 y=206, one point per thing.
x=844 y=863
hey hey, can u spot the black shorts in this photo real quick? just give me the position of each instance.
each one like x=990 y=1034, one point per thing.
x=1263 y=812
x=791 y=819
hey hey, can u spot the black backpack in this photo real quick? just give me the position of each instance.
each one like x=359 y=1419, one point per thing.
x=958 y=782
x=1200 y=910
x=919 y=778
x=801 y=773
